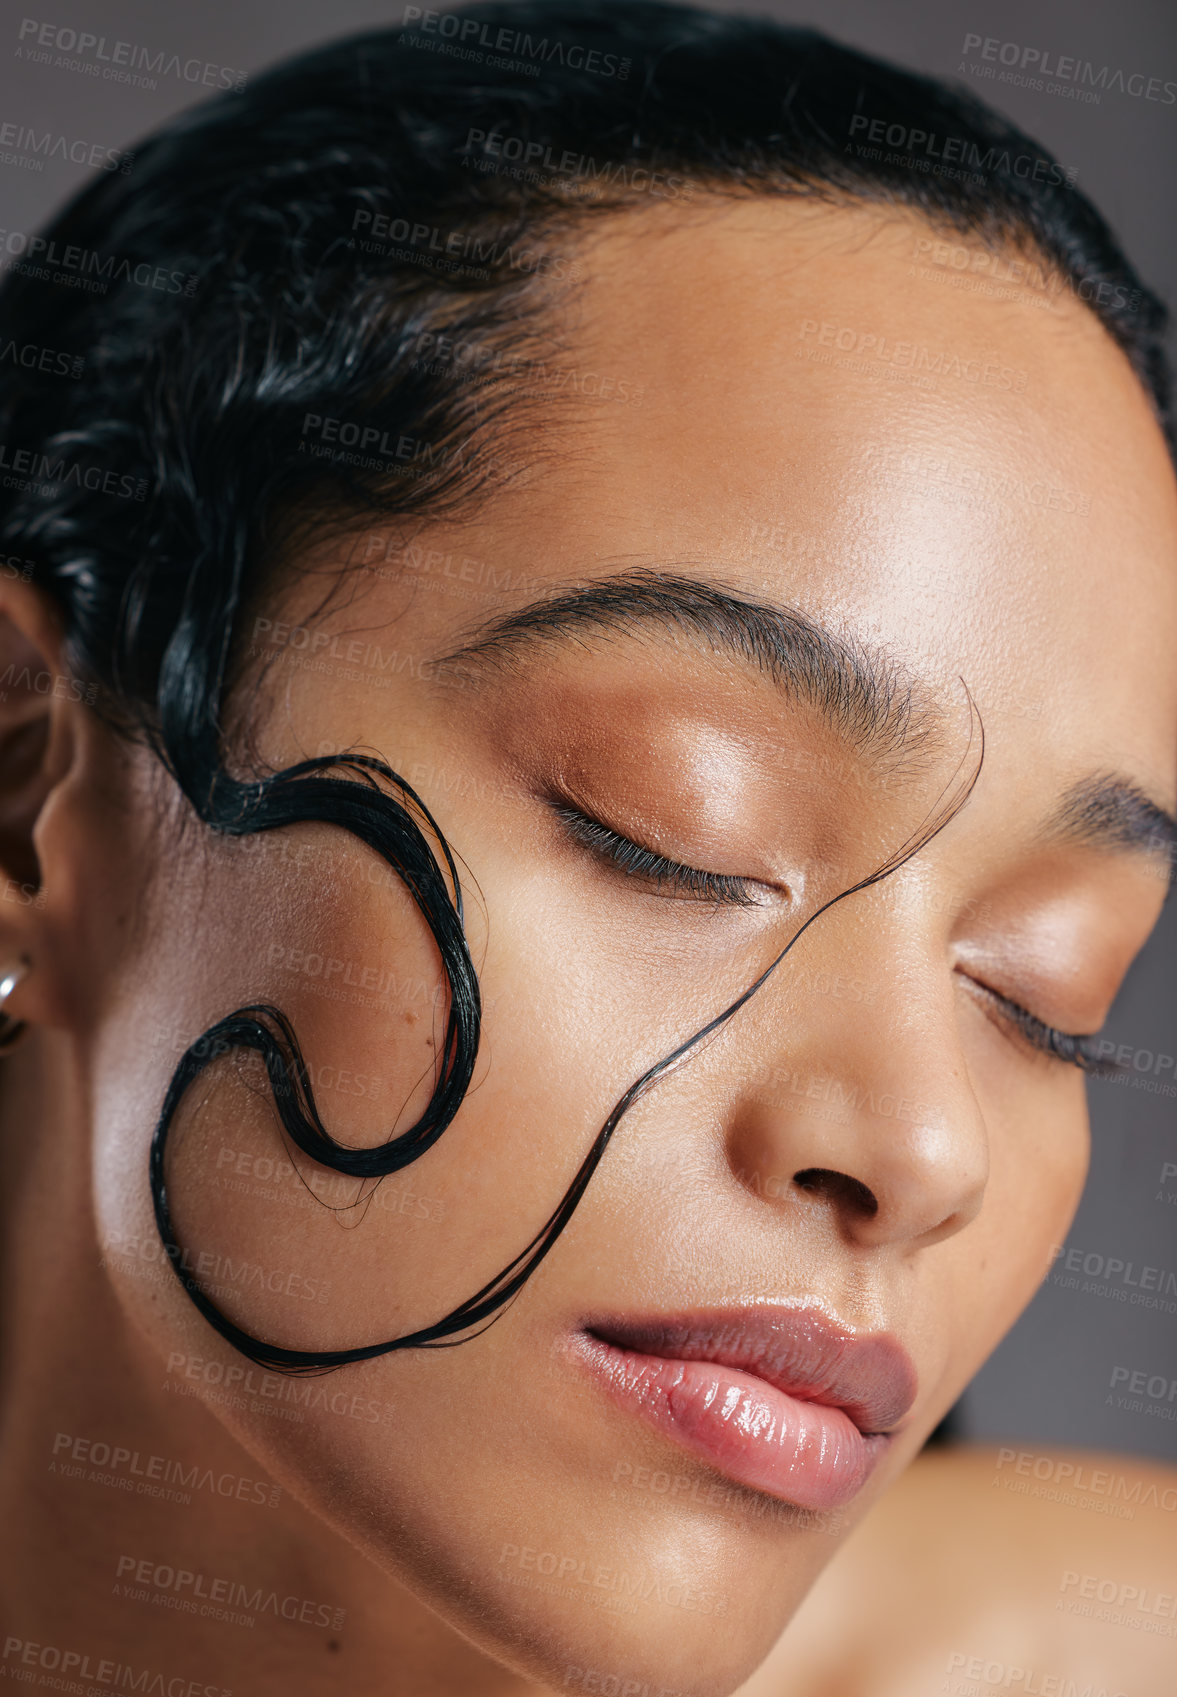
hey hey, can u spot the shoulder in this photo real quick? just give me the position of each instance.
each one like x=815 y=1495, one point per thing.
x=991 y=1569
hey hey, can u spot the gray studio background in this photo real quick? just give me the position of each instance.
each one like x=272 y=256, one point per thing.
x=1051 y=1381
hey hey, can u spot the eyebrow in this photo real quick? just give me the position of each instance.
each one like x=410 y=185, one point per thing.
x=861 y=691
x=1111 y=812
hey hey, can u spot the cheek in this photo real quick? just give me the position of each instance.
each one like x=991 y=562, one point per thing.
x=1039 y=1150
x=319 y=929
x=574 y=1012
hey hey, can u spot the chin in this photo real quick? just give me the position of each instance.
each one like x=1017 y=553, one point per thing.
x=611 y=1626
x=563 y=1545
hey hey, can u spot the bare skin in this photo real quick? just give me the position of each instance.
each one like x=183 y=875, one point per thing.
x=970 y=1576
x=786 y=479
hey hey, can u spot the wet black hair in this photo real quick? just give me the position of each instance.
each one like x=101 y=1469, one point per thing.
x=287 y=251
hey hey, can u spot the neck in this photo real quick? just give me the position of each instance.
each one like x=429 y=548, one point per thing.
x=140 y=1532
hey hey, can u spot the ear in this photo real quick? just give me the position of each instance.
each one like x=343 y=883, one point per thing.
x=40 y=705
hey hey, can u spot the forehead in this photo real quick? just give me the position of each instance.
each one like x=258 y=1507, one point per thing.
x=824 y=419
x=793 y=401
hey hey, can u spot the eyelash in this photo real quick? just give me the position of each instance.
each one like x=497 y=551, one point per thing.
x=675 y=879
x=1077 y=1050
x=671 y=877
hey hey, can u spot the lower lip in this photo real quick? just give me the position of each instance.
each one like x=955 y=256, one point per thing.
x=806 y=1453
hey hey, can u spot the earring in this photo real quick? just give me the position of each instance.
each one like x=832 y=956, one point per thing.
x=10 y=976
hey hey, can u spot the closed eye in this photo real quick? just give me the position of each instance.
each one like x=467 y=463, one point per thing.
x=1077 y=1049
x=667 y=877
x=693 y=883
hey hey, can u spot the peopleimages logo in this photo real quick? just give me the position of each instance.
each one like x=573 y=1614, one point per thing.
x=210 y=1269
x=152 y=1474
x=567 y=1572
x=33 y=147
x=1035 y=67
x=33 y=469
x=95 y=55
x=179 y=1581
x=463 y=37
x=1111 y=1276
x=533 y=156
x=1007 y=1676
x=1076 y=1479
x=119 y=1676
x=431 y=244
x=874 y=349
x=88 y=268
x=959 y=150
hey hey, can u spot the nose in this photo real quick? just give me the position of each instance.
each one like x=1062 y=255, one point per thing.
x=861 y=1098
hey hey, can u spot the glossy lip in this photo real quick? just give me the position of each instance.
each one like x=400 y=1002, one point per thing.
x=783 y=1400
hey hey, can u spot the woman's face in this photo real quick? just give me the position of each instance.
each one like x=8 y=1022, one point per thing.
x=821 y=1221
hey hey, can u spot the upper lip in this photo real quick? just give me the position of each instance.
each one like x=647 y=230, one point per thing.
x=800 y=1351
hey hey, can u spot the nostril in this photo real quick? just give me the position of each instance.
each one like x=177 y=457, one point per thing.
x=837 y=1187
